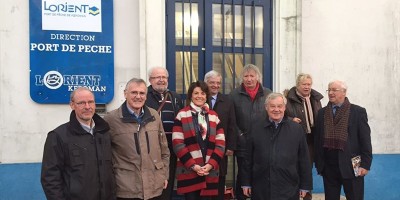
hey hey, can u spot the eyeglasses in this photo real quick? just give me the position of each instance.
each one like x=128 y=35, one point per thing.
x=84 y=103
x=334 y=90
x=136 y=93
x=214 y=82
x=159 y=77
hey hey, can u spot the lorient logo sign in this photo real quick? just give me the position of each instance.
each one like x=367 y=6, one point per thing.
x=71 y=46
x=74 y=15
x=54 y=80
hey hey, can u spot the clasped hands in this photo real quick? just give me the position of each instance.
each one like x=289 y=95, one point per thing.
x=202 y=170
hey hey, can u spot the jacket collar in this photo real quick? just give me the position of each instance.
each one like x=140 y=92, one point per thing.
x=313 y=95
x=128 y=118
x=260 y=91
x=269 y=123
x=101 y=125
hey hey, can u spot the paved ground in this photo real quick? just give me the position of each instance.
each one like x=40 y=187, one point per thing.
x=321 y=197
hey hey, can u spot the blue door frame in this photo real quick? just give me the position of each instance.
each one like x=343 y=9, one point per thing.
x=205 y=48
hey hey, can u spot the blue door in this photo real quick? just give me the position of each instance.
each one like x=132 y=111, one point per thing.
x=223 y=35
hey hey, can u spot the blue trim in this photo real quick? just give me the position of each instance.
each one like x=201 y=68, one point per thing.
x=22 y=181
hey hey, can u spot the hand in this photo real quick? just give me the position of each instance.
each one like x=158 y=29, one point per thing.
x=199 y=170
x=165 y=184
x=297 y=120
x=229 y=153
x=247 y=191
x=207 y=168
x=362 y=171
x=302 y=193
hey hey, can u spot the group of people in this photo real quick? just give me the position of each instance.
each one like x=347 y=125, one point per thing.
x=138 y=150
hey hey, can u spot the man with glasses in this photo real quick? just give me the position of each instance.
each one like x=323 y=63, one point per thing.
x=223 y=105
x=139 y=146
x=168 y=104
x=77 y=155
x=342 y=137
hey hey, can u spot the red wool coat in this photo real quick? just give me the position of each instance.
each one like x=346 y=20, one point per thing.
x=189 y=153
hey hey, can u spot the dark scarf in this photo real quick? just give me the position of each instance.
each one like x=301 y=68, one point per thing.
x=336 y=127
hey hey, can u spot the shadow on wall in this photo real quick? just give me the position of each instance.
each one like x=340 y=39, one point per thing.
x=22 y=181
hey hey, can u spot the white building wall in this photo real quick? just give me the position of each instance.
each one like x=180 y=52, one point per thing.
x=356 y=41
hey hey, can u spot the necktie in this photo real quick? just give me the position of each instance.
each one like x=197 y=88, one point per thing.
x=334 y=109
x=212 y=102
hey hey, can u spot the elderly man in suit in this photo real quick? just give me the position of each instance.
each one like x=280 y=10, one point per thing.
x=342 y=133
x=221 y=104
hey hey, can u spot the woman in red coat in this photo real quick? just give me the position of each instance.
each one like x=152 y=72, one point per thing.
x=199 y=144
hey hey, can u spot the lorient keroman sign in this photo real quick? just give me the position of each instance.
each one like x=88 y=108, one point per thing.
x=71 y=46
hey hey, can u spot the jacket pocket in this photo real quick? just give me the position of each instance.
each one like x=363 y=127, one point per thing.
x=77 y=154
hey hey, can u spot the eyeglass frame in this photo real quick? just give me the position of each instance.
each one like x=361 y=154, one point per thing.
x=334 y=90
x=159 y=77
x=84 y=103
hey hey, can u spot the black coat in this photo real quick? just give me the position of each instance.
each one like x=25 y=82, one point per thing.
x=153 y=101
x=277 y=164
x=358 y=142
x=226 y=114
x=77 y=165
x=295 y=108
x=247 y=112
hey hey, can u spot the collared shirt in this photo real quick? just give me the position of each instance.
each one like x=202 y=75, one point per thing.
x=335 y=107
x=87 y=128
x=275 y=123
x=213 y=99
x=137 y=117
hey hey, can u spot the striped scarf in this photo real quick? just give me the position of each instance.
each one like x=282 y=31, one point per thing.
x=201 y=112
x=336 y=127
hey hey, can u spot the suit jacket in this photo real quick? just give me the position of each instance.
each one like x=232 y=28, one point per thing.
x=226 y=113
x=358 y=142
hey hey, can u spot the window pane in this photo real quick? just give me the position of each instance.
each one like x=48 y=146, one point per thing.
x=259 y=27
x=248 y=25
x=186 y=23
x=186 y=70
x=228 y=70
x=217 y=19
x=238 y=26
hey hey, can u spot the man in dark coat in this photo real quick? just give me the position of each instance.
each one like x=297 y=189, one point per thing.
x=168 y=103
x=342 y=133
x=248 y=100
x=77 y=155
x=221 y=104
x=277 y=166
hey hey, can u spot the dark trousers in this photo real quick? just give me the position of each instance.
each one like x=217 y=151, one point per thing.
x=239 y=192
x=167 y=193
x=196 y=196
x=333 y=181
x=155 y=198
x=221 y=188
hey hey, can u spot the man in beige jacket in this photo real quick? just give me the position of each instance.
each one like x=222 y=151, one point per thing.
x=139 y=146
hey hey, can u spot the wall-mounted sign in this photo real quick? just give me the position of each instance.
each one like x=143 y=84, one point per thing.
x=71 y=46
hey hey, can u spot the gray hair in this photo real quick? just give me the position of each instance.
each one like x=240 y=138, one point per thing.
x=137 y=81
x=72 y=95
x=248 y=68
x=150 y=72
x=341 y=83
x=273 y=96
x=301 y=77
x=211 y=74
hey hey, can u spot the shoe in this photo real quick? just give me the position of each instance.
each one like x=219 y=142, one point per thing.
x=308 y=196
